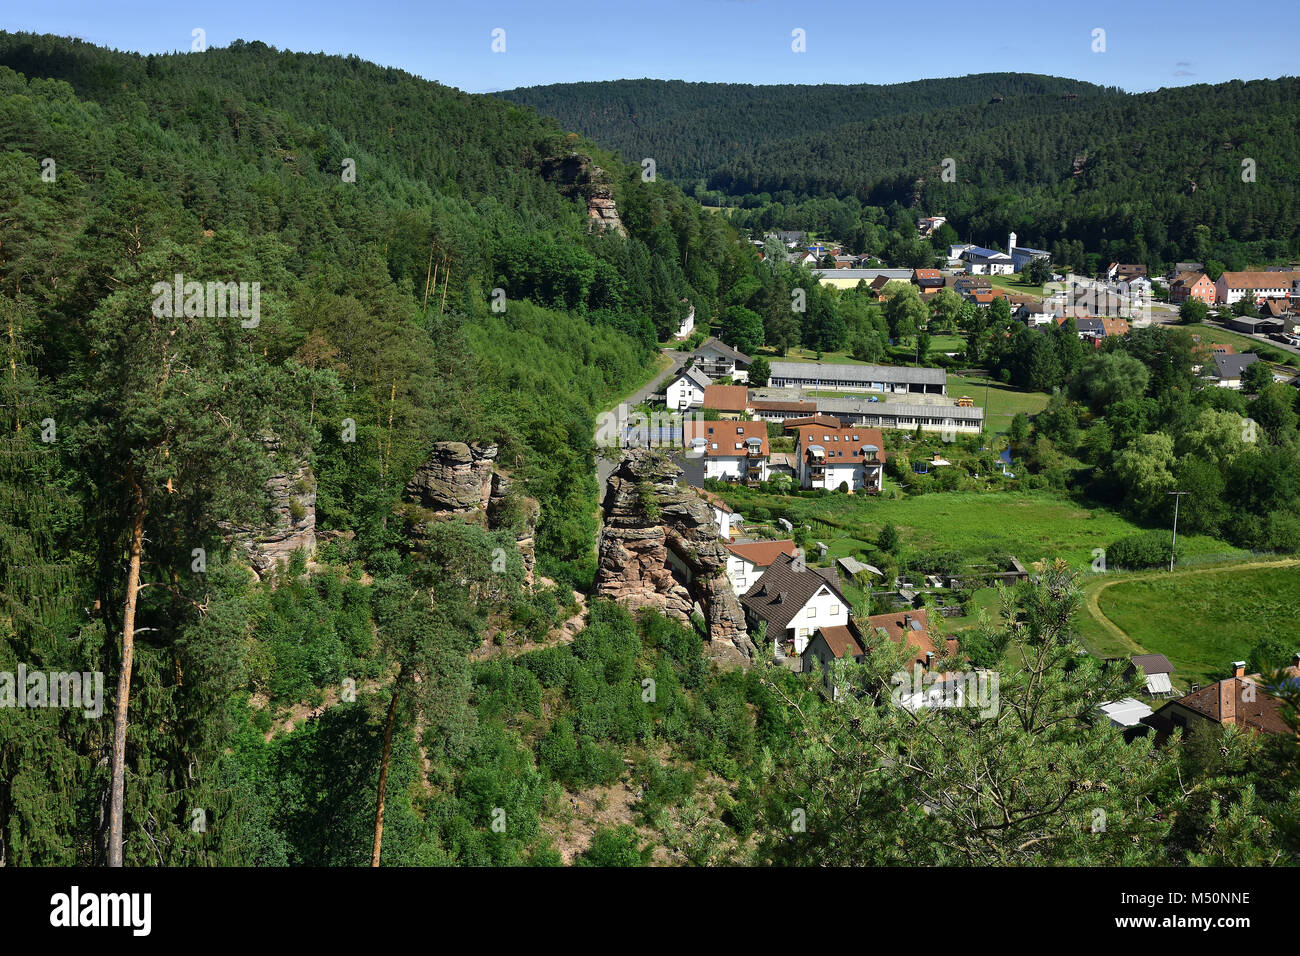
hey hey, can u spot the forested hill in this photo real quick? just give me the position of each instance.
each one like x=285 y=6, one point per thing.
x=1128 y=175
x=691 y=129
x=376 y=213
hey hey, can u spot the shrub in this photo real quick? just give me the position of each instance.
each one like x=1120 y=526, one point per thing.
x=1150 y=549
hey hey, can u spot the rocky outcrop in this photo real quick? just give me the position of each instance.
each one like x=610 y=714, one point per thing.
x=460 y=481
x=660 y=549
x=291 y=523
x=457 y=478
x=575 y=175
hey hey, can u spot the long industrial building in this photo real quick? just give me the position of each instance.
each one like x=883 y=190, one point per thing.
x=831 y=376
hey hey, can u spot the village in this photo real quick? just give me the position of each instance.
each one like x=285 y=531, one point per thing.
x=850 y=428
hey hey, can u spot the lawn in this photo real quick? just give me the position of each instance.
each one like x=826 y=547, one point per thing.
x=1203 y=619
x=1003 y=400
x=1032 y=525
x=1242 y=343
x=1013 y=283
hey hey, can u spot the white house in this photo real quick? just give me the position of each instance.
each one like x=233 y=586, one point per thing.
x=1228 y=368
x=716 y=359
x=1232 y=287
x=732 y=450
x=747 y=561
x=793 y=601
x=687 y=327
x=830 y=457
x=687 y=390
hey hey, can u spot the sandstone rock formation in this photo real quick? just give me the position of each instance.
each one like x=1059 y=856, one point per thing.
x=574 y=175
x=292 y=521
x=460 y=480
x=660 y=548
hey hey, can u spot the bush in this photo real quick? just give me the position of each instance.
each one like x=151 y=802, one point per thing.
x=1150 y=549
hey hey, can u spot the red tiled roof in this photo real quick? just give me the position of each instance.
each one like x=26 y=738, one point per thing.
x=761 y=553
x=726 y=435
x=841 y=641
x=843 y=443
x=898 y=629
x=726 y=398
x=825 y=421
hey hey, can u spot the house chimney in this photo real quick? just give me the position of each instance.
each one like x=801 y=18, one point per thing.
x=1238 y=668
x=929 y=659
x=1228 y=701
x=907 y=621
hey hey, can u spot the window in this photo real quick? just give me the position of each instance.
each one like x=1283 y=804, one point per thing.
x=834 y=610
x=812 y=612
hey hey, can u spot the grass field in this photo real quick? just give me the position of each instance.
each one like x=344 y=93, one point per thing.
x=1201 y=619
x=1242 y=343
x=1003 y=400
x=1013 y=283
x=1031 y=525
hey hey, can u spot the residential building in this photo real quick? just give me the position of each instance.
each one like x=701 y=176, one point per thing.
x=718 y=360
x=926 y=226
x=746 y=561
x=688 y=325
x=1227 y=368
x=829 y=644
x=927 y=280
x=1192 y=285
x=849 y=456
x=1125 y=271
x=1232 y=287
x=849 y=278
x=731 y=451
x=687 y=389
x=723 y=515
x=1241 y=700
x=1156 y=669
x=793 y=601
x=834 y=376
x=731 y=401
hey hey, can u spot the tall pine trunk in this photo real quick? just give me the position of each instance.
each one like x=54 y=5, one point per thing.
x=383 y=771
x=118 y=786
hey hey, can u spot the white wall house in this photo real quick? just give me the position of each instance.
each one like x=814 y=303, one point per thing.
x=793 y=601
x=828 y=457
x=747 y=561
x=687 y=327
x=732 y=450
x=687 y=390
x=987 y=262
x=1232 y=287
x=1021 y=256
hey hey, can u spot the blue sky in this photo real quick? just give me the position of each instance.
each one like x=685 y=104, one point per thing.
x=1147 y=45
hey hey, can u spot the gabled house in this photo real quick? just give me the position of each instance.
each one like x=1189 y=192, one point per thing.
x=717 y=360
x=687 y=389
x=794 y=601
x=731 y=401
x=1241 y=700
x=1125 y=271
x=731 y=450
x=850 y=456
x=723 y=515
x=1192 y=285
x=1232 y=287
x=927 y=280
x=926 y=225
x=1227 y=368
x=746 y=561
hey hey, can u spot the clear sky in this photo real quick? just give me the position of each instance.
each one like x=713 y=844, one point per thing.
x=1147 y=45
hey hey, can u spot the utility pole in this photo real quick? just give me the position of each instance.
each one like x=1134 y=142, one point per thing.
x=1178 y=497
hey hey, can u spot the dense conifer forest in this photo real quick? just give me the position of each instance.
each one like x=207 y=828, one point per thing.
x=1057 y=161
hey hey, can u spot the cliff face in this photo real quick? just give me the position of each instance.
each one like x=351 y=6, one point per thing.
x=460 y=481
x=574 y=175
x=659 y=548
x=292 y=522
